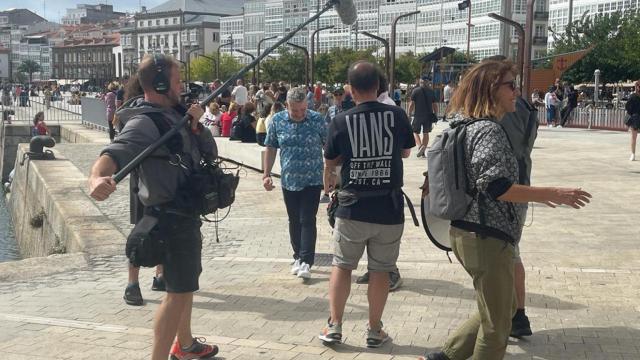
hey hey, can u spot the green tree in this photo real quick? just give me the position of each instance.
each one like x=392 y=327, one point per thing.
x=29 y=66
x=614 y=38
x=203 y=69
x=287 y=66
x=229 y=66
x=408 y=67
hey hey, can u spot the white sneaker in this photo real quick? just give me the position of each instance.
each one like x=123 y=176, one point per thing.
x=304 y=271
x=295 y=267
x=559 y=126
x=549 y=126
x=632 y=157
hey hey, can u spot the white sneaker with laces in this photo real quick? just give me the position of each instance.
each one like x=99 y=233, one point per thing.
x=295 y=267
x=304 y=271
x=632 y=157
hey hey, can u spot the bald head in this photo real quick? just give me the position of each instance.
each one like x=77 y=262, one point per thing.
x=364 y=77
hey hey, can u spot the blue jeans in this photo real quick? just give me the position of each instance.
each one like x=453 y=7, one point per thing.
x=551 y=114
x=302 y=207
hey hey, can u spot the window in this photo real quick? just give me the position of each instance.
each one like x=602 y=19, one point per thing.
x=175 y=21
x=141 y=42
x=149 y=23
x=141 y=23
x=157 y=22
x=175 y=40
x=166 y=21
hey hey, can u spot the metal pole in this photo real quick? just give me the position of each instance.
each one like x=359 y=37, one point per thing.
x=259 y=47
x=392 y=58
x=185 y=120
x=385 y=42
x=306 y=60
x=218 y=62
x=469 y=35
x=313 y=51
x=520 y=31
x=570 y=15
x=253 y=78
x=528 y=36
x=441 y=22
x=189 y=64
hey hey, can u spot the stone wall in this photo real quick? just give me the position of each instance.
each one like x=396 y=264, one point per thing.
x=10 y=136
x=52 y=213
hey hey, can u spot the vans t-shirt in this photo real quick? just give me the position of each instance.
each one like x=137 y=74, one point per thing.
x=370 y=138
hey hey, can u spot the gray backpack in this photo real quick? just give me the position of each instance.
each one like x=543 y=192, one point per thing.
x=449 y=193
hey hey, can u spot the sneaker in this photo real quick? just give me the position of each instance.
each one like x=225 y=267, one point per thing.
x=331 y=334
x=376 y=338
x=325 y=199
x=295 y=267
x=395 y=281
x=197 y=350
x=364 y=279
x=559 y=126
x=421 y=151
x=549 y=126
x=132 y=295
x=632 y=157
x=520 y=326
x=158 y=284
x=305 y=271
x=435 y=356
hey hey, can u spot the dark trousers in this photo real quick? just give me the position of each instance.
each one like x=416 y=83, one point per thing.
x=112 y=131
x=302 y=207
x=565 y=114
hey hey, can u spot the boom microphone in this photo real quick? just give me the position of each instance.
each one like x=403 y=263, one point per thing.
x=346 y=11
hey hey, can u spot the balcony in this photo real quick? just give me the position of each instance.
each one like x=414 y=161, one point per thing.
x=539 y=40
x=541 y=16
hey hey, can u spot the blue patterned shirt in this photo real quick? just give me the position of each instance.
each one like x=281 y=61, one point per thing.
x=300 y=145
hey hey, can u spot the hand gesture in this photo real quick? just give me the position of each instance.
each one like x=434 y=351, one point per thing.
x=101 y=187
x=576 y=198
x=196 y=113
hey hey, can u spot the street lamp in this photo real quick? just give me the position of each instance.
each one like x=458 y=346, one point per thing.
x=253 y=78
x=218 y=56
x=306 y=60
x=466 y=4
x=189 y=63
x=386 y=53
x=313 y=50
x=257 y=68
x=392 y=58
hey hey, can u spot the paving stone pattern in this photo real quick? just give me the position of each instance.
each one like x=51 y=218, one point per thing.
x=583 y=272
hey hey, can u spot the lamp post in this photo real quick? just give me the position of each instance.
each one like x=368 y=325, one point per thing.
x=218 y=56
x=520 y=31
x=257 y=68
x=392 y=58
x=189 y=63
x=385 y=42
x=253 y=78
x=313 y=50
x=306 y=60
x=466 y=4
x=213 y=61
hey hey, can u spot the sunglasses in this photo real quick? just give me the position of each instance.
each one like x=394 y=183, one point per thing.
x=513 y=85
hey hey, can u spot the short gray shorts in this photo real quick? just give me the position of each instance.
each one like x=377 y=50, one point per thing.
x=382 y=242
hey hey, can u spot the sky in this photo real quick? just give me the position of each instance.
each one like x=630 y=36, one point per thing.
x=55 y=9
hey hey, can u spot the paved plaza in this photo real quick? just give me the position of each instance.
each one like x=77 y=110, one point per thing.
x=583 y=277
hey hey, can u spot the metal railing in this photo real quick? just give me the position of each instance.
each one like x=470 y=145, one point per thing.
x=65 y=108
x=588 y=117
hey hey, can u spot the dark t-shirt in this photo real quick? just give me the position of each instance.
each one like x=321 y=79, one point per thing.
x=423 y=98
x=370 y=138
x=120 y=95
x=248 y=133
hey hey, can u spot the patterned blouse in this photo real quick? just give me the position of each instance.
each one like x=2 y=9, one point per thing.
x=300 y=145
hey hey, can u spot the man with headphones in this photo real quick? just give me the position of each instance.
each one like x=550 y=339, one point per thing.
x=163 y=190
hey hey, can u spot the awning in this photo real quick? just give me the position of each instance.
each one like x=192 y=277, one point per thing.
x=438 y=54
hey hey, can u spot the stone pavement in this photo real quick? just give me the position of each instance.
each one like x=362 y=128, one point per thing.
x=583 y=272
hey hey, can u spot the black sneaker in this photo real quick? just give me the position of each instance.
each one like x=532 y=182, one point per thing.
x=132 y=295
x=520 y=326
x=435 y=356
x=364 y=279
x=158 y=284
x=395 y=281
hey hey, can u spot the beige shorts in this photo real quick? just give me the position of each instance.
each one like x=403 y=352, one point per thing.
x=382 y=242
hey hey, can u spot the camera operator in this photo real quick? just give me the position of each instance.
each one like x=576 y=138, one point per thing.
x=162 y=190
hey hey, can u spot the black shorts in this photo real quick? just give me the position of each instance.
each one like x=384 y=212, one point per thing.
x=183 y=258
x=422 y=123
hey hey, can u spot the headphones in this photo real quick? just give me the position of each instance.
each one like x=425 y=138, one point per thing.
x=160 y=81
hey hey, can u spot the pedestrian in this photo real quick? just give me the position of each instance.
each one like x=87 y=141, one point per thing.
x=551 y=105
x=39 y=126
x=572 y=103
x=212 y=118
x=633 y=121
x=485 y=248
x=240 y=94
x=47 y=97
x=317 y=95
x=370 y=211
x=224 y=99
x=336 y=108
x=261 y=126
x=177 y=223
x=120 y=92
x=300 y=134
x=447 y=93
x=383 y=91
x=110 y=102
x=423 y=102
x=228 y=118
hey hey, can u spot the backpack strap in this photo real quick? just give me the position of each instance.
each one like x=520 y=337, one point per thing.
x=411 y=209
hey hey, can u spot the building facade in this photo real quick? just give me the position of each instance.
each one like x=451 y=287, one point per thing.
x=90 y=14
x=5 y=64
x=16 y=35
x=88 y=60
x=439 y=23
x=181 y=28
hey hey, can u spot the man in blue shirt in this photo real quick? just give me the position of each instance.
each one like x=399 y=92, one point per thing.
x=300 y=134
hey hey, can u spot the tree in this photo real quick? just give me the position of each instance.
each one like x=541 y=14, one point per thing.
x=614 y=38
x=202 y=69
x=408 y=67
x=29 y=66
x=229 y=66
x=287 y=66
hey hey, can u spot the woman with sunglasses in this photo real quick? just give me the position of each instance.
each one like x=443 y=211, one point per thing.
x=483 y=239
